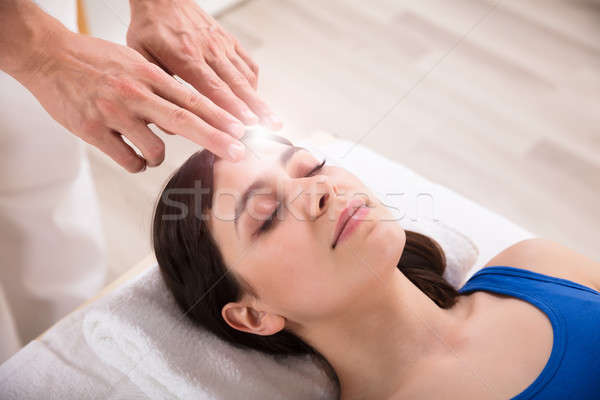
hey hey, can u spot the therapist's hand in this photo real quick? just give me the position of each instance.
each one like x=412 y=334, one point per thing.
x=185 y=41
x=100 y=90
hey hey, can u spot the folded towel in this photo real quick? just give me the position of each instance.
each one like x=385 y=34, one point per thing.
x=37 y=372
x=124 y=346
x=142 y=333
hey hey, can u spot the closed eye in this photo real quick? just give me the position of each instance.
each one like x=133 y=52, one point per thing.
x=270 y=222
x=316 y=169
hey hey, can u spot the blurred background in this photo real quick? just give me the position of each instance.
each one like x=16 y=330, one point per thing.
x=499 y=101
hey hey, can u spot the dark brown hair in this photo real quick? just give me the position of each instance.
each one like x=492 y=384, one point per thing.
x=193 y=269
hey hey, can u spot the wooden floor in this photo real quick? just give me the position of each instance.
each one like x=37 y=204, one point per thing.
x=499 y=101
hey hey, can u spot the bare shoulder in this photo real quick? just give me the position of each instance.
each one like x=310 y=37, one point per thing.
x=550 y=258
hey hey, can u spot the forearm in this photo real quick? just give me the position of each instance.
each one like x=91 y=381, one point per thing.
x=27 y=34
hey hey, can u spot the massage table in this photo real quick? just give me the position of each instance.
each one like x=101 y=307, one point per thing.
x=130 y=341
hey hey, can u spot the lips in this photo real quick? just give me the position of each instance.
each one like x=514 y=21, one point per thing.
x=345 y=215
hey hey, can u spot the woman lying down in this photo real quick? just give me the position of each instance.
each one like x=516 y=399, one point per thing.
x=309 y=262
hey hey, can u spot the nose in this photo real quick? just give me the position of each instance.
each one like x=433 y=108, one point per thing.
x=309 y=198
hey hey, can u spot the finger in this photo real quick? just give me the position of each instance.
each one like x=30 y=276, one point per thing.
x=151 y=146
x=170 y=117
x=202 y=77
x=111 y=143
x=249 y=61
x=198 y=104
x=244 y=69
x=241 y=87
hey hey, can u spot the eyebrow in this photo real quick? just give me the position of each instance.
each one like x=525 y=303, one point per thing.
x=240 y=206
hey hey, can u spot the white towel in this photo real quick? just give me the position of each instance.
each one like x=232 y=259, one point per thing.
x=124 y=346
x=37 y=372
x=142 y=333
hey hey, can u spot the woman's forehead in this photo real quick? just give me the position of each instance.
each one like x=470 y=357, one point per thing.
x=259 y=154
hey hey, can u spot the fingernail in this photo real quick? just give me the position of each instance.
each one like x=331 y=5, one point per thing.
x=250 y=117
x=236 y=151
x=237 y=129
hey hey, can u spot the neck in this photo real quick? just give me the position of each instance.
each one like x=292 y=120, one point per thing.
x=378 y=344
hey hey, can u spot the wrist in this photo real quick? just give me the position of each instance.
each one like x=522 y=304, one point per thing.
x=30 y=36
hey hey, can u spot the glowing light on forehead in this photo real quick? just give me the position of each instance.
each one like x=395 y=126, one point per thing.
x=257 y=131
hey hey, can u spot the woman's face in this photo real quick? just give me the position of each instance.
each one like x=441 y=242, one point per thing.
x=291 y=262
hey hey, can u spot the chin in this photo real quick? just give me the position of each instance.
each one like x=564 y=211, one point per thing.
x=386 y=243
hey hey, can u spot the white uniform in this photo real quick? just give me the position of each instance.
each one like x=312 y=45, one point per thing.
x=51 y=250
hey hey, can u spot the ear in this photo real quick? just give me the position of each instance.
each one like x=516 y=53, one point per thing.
x=244 y=317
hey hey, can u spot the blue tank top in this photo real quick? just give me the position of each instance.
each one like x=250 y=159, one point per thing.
x=573 y=369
